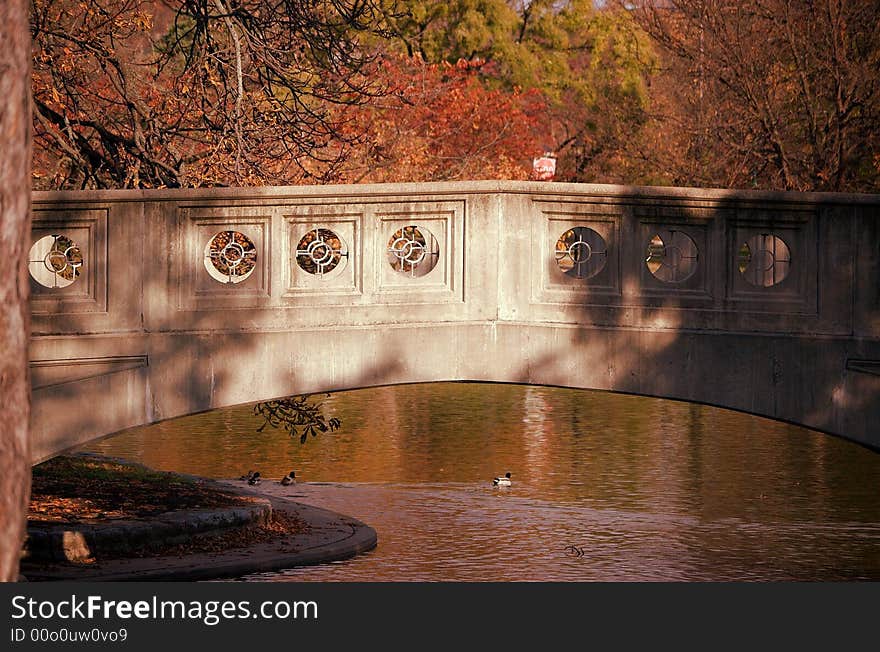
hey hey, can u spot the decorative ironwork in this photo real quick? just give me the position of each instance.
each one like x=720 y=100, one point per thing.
x=764 y=260
x=581 y=252
x=55 y=261
x=230 y=257
x=672 y=256
x=320 y=251
x=412 y=252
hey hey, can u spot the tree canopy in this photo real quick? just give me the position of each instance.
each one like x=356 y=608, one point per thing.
x=778 y=94
x=131 y=93
x=775 y=94
x=591 y=66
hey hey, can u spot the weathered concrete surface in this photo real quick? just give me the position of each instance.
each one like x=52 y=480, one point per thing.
x=145 y=333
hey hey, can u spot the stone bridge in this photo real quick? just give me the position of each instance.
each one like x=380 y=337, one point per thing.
x=149 y=305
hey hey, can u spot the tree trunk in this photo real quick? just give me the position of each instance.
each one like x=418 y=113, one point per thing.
x=15 y=183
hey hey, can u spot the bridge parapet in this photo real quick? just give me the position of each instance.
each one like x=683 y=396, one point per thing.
x=162 y=303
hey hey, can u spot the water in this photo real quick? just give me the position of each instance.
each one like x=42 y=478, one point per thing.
x=605 y=487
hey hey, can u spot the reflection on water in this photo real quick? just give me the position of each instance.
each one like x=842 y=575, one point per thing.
x=635 y=488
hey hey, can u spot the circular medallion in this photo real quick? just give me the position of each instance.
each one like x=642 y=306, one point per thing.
x=581 y=252
x=320 y=251
x=413 y=250
x=230 y=257
x=672 y=256
x=764 y=260
x=55 y=261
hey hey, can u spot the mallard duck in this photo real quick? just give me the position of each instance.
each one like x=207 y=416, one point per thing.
x=254 y=479
x=502 y=481
x=247 y=476
x=289 y=479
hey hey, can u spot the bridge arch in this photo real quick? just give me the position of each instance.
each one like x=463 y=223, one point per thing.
x=157 y=304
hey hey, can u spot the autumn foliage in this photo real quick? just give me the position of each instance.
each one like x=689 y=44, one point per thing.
x=442 y=122
x=780 y=94
x=772 y=94
x=142 y=93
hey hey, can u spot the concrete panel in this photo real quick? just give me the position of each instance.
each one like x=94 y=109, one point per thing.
x=69 y=414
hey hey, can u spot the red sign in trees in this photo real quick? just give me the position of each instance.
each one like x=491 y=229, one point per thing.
x=543 y=168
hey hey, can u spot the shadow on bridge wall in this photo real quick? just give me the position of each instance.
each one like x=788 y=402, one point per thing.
x=732 y=334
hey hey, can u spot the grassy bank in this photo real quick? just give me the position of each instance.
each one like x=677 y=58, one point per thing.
x=80 y=493
x=77 y=488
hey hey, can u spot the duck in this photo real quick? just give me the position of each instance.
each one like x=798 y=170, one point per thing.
x=247 y=476
x=289 y=479
x=502 y=481
x=255 y=479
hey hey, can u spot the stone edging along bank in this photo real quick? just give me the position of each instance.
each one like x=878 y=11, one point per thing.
x=329 y=537
x=61 y=542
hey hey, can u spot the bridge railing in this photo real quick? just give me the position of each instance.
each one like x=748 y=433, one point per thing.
x=145 y=261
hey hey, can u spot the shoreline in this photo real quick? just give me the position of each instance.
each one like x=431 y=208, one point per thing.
x=329 y=537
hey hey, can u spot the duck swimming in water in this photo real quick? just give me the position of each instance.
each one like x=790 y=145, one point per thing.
x=503 y=481
x=255 y=479
x=247 y=476
x=289 y=479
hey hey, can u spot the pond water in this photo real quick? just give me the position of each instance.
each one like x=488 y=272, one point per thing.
x=605 y=487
